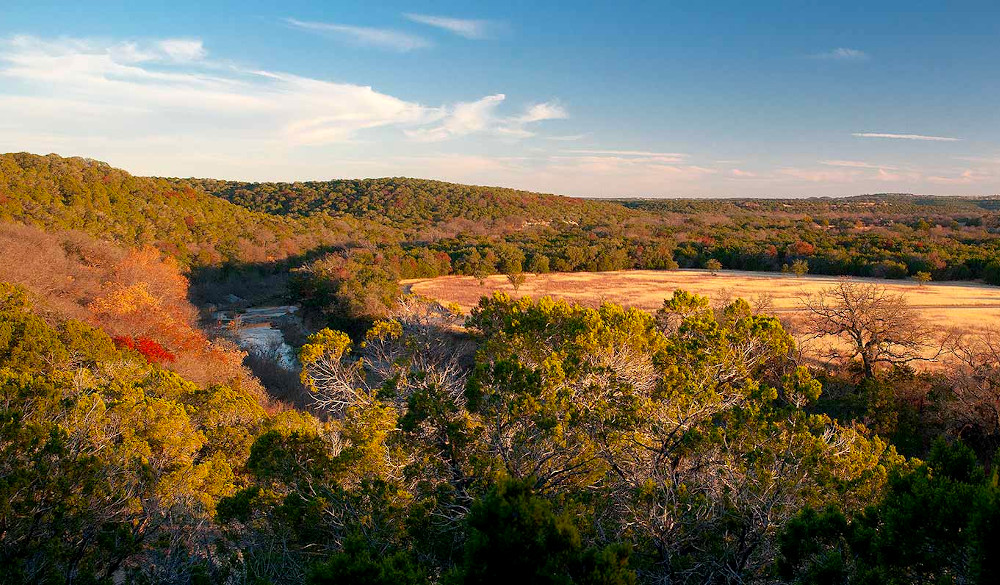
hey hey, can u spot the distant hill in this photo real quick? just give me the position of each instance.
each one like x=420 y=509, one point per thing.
x=206 y=221
x=57 y=193
x=448 y=227
x=884 y=203
x=409 y=204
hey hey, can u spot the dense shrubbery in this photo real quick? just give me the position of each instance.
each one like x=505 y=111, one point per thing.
x=109 y=467
x=135 y=295
x=938 y=523
x=581 y=446
x=542 y=442
x=555 y=444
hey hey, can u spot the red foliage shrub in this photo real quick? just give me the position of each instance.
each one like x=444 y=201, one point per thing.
x=151 y=350
x=801 y=248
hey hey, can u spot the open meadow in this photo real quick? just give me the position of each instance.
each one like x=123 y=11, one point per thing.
x=947 y=306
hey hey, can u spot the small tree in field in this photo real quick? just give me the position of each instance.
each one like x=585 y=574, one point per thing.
x=481 y=273
x=922 y=278
x=800 y=268
x=516 y=279
x=713 y=266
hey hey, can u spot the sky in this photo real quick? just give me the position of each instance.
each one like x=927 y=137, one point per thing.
x=604 y=99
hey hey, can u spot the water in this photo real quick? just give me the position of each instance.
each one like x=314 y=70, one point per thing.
x=258 y=331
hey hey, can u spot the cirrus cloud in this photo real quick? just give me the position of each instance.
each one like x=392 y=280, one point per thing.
x=463 y=27
x=843 y=54
x=854 y=164
x=384 y=38
x=89 y=96
x=481 y=116
x=892 y=136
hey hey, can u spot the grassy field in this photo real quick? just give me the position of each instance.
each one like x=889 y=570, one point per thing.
x=946 y=305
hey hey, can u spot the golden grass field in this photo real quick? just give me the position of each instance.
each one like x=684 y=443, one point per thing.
x=945 y=305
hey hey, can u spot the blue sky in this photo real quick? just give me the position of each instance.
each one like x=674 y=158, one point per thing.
x=597 y=99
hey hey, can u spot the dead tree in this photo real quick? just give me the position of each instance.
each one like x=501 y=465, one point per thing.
x=974 y=408
x=877 y=326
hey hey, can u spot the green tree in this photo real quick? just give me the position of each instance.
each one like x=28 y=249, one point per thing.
x=516 y=536
x=516 y=279
x=713 y=266
x=538 y=263
x=937 y=523
x=663 y=420
x=358 y=564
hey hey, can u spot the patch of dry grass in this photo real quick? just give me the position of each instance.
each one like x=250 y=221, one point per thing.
x=945 y=305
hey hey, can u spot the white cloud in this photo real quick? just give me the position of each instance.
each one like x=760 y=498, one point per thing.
x=904 y=136
x=369 y=36
x=481 y=116
x=79 y=90
x=183 y=49
x=821 y=176
x=568 y=137
x=854 y=164
x=863 y=176
x=470 y=29
x=644 y=153
x=965 y=177
x=169 y=107
x=843 y=54
x=464 y=118
x=543 y=111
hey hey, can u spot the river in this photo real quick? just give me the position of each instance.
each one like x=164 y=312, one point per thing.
x=258 y=329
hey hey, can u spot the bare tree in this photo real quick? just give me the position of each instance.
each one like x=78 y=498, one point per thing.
x=975 y=405
x=419 y=346
x=878 y=326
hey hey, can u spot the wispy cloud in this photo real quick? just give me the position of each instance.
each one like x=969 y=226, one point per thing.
x=637 y=156
x=183 y=49
x=904 y=136
x=966 y=177
x=853 y=172
x=63 y=94
x=854 y=164
x=843 y=54
x=384 y=38
x=542 y=111
x=980 y=159
x=468 y=28
x=643 y=153
x=464 y=118
x=821 y=176
x=481 y=116
x=644 y=174
x=568 y=137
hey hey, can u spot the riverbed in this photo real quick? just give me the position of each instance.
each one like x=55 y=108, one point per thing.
x=258 y=330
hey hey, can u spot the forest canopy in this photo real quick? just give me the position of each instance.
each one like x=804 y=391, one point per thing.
x=532 y=440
